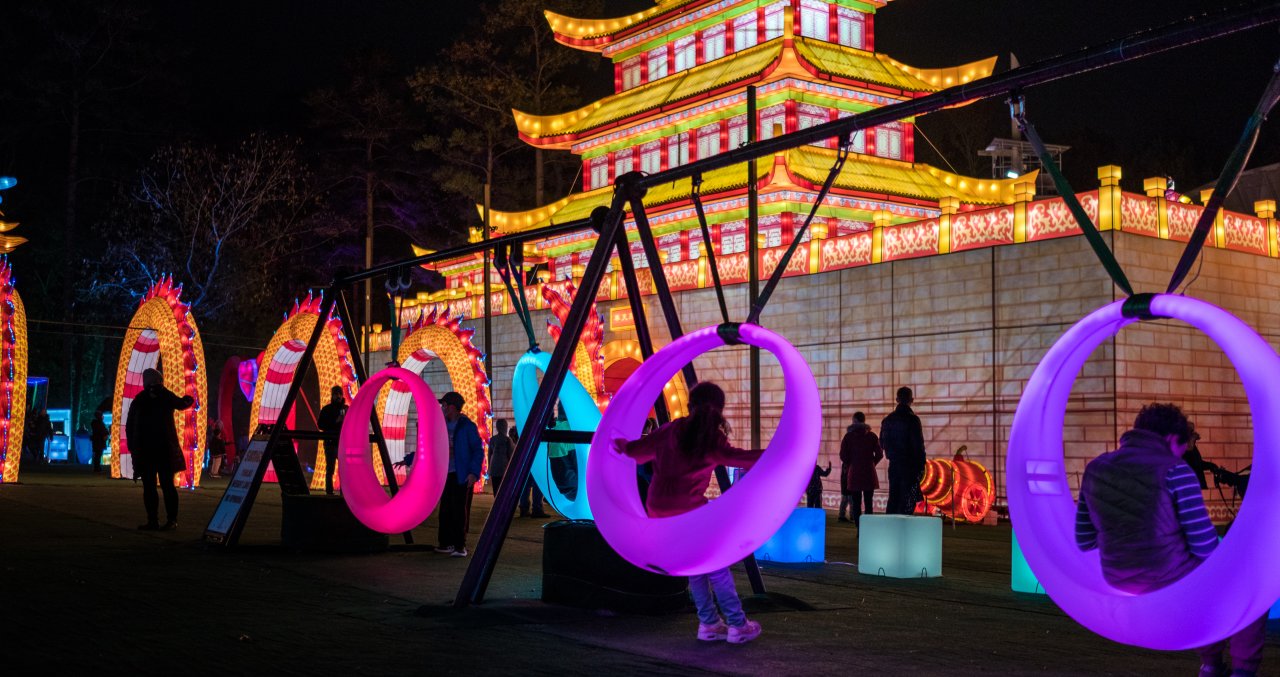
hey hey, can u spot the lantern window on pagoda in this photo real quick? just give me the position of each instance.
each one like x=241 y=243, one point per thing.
x=851 y=27
x=713 y=43
x=598 y=172
x=651 y=157
x=678 y=150
x=773 y=121
x=815 y=19
x=686 y=53
x=708 y=141
x=744 y=32
x=622 y=162
x=632 y=73
x=889 y=141
x=658 y=63
x=773 y=19
x=809 y=115
x=737 y=131
x=733 y=238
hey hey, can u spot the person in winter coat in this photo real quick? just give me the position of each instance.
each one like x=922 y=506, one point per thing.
x=902 y=438
x=1140 y=506
x=684 y=453
x=859 y=453
x=330 y=423
x=500 y=448
x=153 y=442
x=466 y=462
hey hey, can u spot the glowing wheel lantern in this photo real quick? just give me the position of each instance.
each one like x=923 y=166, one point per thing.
x=583 y=415
x=421 y=491
x=437 y=337
x=284 y=351
x=1235 y=585
x=162 y=335
x=13 y=375
x=958 y=487
x=728 y=528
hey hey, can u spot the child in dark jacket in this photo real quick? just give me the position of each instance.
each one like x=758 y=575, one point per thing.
x=684 y=453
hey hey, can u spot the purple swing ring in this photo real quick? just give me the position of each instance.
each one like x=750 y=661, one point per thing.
x=1231 y=588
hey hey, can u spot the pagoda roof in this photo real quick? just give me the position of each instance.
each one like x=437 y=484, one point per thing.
x=805 y=167
x=800 y=57
x=594 y=35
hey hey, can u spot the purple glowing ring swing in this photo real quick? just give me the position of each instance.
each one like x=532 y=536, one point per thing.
x=1232 y=588
x=726 y=530
x=421 y=491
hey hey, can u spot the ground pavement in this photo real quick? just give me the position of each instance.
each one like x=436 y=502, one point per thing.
x=81 y=590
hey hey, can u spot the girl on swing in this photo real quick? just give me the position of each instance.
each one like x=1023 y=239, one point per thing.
x=684 y=453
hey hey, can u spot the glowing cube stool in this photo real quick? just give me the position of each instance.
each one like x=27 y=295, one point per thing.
x=1021 y=577
x=802 y=539
x=900 y=546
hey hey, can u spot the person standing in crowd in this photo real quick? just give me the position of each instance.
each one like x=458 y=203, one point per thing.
x=684 y=453
x=153 y=442
x=530 y=494
x=98 y=436
x=217 y=448
x=330 y=423
x=859 y=454
x=1140 y=506
x=500 y=448
x=466 y=461
x=813 y=493
x=902 y=439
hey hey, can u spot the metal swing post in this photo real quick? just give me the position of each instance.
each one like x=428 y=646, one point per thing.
x=480 y=569
x=633 y=190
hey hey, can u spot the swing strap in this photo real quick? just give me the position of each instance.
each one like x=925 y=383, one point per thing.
x=507 y=268
x=842 y=154
x=696 y=194
x=1227 y=180
x=1018 y=110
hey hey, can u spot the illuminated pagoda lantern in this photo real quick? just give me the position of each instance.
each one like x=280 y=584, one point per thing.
x=681 y=71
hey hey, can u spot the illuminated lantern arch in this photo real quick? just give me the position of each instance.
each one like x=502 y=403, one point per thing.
x=13 y=375
x=162 y=335
x=588 y=363
x=439 y=337
x=622 y=357
x=729 y=528
x=1230 y=589
x=280 y=361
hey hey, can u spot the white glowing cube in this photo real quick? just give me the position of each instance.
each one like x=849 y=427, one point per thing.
x=900 y=546
x=801 y=539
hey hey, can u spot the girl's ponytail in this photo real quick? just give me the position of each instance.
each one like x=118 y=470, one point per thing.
x=702 y=428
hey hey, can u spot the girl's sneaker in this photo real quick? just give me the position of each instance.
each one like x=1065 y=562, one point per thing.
x=741 y=634
x=713 y=633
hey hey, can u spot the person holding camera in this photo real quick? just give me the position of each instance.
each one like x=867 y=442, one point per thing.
x=1140 y=506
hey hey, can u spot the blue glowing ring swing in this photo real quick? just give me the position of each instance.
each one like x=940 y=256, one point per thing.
x=583 y=415
x=726 y=530
x=1230 y=589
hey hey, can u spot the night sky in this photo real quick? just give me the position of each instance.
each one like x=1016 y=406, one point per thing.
x=254 y=61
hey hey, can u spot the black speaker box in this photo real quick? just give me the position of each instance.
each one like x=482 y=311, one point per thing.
x=324 y=523
x=579 y=569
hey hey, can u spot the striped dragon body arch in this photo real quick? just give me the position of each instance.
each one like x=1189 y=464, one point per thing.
x=440 y=337
x=162 y=335
x=282 y=356
x=13 y=375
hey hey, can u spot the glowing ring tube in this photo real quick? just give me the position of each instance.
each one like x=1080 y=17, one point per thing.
x=421 y=491
x=583 y=415
x=726 y=530
x=1235 y=585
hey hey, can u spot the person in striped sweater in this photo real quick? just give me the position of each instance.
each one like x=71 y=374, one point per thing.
x=1140 y=506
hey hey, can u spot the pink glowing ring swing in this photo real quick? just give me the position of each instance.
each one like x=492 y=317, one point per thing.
x=421 y=491
x=1232 y=588
x=726 y=530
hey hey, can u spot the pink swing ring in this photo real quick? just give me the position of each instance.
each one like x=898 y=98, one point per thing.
x=729 y=528
x=363 y=492
x=1231 y=588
